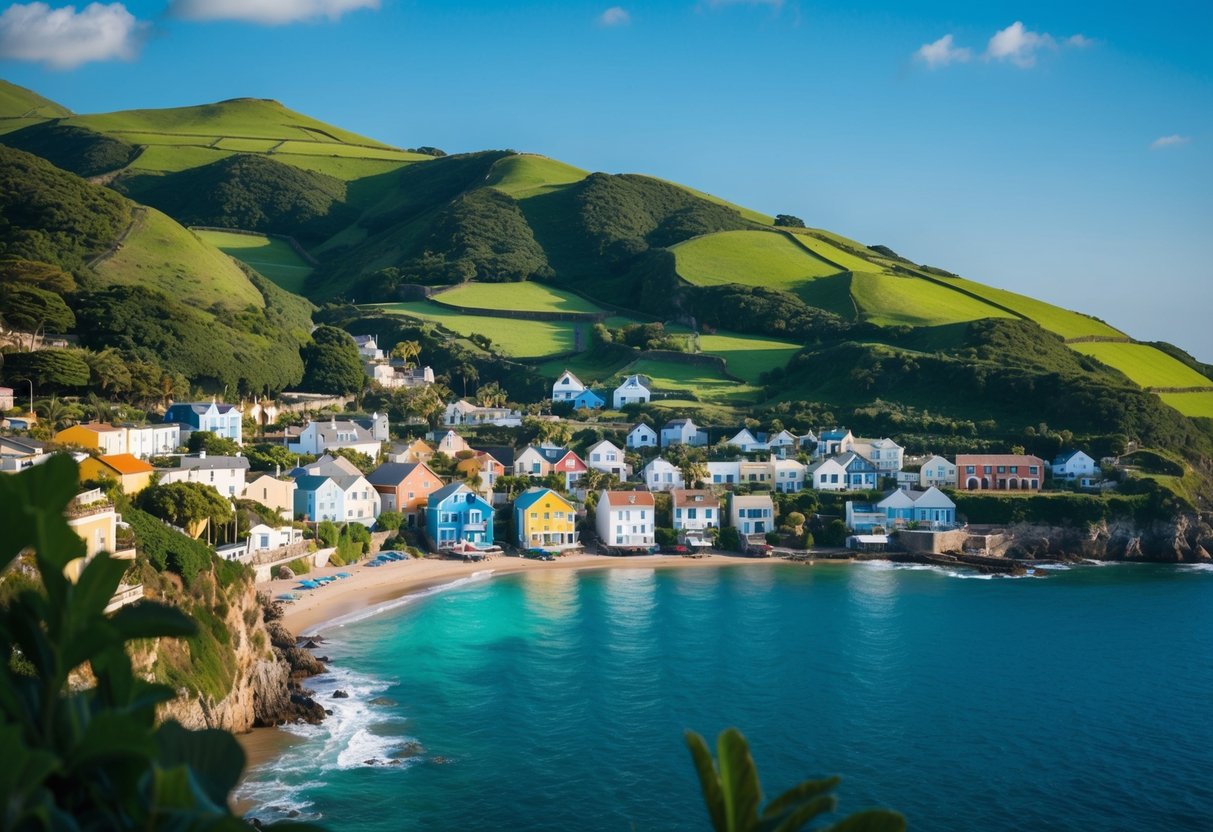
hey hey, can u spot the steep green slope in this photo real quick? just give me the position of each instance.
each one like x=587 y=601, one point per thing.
x=142 y=285
x=754 y=258
x=272 y=257
x=20 y=107
x=528 y=175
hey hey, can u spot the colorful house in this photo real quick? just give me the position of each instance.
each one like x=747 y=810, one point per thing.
x=543 y=519
x=930 y=509
x=417 y=450
x=98 y=436
x=338 y=497
x=404 y=487
x=999 y=472
x=216 y=417
x=588 y=400
x=457 y=514
x=131 y=473
x=485 y=466
x=275 y=493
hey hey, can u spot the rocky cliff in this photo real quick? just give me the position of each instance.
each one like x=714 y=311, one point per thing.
x=1187 y=538
x=269 y=669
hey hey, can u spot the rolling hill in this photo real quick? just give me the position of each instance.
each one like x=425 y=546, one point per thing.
x=807 y=321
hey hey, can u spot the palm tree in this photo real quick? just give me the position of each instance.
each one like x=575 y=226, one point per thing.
x=693 y=471
x=52 y=411
x=733 y=794
x=406 y=351
x=99 y=408
x=467 y=372
x=491 y=395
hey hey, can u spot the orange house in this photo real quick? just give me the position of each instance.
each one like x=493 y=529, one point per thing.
x=132 y=473
x=999 y=472
x=404 y=487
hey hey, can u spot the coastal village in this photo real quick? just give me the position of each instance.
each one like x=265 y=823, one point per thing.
x=581 y=483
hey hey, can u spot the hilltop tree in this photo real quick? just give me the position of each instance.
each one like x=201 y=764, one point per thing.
x=31 y=309
x=407 y=352
x=331 y=363
x=190 y=505
x=789 y=221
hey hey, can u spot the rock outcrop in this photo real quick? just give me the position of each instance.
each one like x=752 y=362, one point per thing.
x=267 y=689
x=1187 y=538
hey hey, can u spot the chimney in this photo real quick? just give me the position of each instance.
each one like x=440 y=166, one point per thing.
x=202 y=454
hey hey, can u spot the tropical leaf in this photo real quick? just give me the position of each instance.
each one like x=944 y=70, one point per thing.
x=871 y=820
x=709 y=780
x=738 y=781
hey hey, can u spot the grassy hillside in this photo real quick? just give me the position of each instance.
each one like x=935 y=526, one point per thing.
x=748 y=356
x=510 y=337
x=528 y=175
x=20 y=107
x=1195 y=405
x=752 y=258
x=887 y=299
x=159 y=254
x=271 y=257
x=526 y=296
x=1144 y=365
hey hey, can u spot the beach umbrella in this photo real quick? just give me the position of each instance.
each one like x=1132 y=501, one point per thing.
x=344 y=575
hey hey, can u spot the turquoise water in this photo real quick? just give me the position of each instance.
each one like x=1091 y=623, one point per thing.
x=556 y=700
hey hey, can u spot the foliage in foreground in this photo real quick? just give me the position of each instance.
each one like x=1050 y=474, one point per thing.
x=733 y=794
x=92 y=756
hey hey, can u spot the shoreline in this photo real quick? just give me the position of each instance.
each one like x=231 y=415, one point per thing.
x=368 y=592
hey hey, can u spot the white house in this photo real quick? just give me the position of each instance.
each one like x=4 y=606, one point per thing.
x=660 y=475
x=464 y=412
x=751 y=514
x=937 y=472
x=321 y=437
x=1075 y=465
x=368 y=348
x=632 y=391
x=695 y=512
x=626 y=519
x=784 y=443
x=567 y=387
x=885 y=454
x=226 y=474
x=683 y=432
x=827 y=475
x=606 y=457
x=789 y=474
x=641 y=436
x=749 y=442
x=930 y=509
x=146 y=441
x=261 y=538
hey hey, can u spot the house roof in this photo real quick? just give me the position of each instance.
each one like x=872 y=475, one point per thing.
x=632 y=381
x=502 y=453
x=751 y=499
x=836 y=433
x=627 y=498
x=689 y=497
x=447 y=490
x=533 y=495
x=362 y=340
x=392 y=473
x=640 y=425
x=846 y=460
x=127 y=464
x=212 y=463
x=812 y=469
x=600 y=443
x=588 y=392
x=571 y=376
x=1066 y=456
x=202 y=407
x=21 y=445
x=676 y=423
x=99 y=427
x=310 y=482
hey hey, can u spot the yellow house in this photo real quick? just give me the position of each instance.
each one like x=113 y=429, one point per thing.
x=544 y=520
x=132 y=474
x=92 y=517
x=416 y=451
x=96 y=435
x=273 y=493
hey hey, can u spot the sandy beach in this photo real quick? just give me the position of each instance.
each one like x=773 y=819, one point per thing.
x=370 y=588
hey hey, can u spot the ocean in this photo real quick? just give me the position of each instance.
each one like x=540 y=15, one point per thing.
x=557 y=700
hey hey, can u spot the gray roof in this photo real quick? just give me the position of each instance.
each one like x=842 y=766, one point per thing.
x=391 y=473
x=209 y=463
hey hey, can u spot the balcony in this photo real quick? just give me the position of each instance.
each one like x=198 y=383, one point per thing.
x=475 y=527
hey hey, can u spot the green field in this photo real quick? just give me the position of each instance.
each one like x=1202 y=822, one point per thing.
x=888 y=300
x=271 y=257
x=750 y=258
x=1191 y=404
x=515 y=338
x=158 y=158
x=529 y=175
x=748 y=356
x=833 y=254
x=325 y=148
x=160 y=254
x=701 y=379
x=1065 y=323
x=20 y=107
x=1145 y=366
x=526 y=296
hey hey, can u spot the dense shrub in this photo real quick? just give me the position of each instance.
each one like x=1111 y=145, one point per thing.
x=74 y=149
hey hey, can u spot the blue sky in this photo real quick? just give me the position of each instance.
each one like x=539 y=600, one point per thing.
x=1078 y=170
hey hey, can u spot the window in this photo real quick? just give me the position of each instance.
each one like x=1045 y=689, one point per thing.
x=986 y=469
x=1032 y=470
x=1002 y=469
x=1014 y=469
x=970 y=469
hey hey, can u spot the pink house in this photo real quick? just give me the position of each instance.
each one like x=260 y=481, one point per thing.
x=999 y=472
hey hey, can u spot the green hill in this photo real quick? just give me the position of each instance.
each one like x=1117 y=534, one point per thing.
x=20 y=107
x=154 y=306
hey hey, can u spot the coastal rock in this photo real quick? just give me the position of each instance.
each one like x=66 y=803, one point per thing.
x=408 y=750
x=1183 y=539
x=340 y=694
x=285 y=573
x=383 y=701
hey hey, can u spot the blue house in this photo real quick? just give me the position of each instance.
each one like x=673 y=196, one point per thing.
x=860 y=473
x=588 y=399
x=216 y=417
x=457 y=514
x=319 y=498
x=930 y=509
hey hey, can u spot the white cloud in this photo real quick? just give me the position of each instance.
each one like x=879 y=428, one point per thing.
x=1080 y=41
x=1174 y=140
x=1019 y=45
x=942 y=52
x=65 y=38
x=268 y=12
x=615 y=16
x=716 y=4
